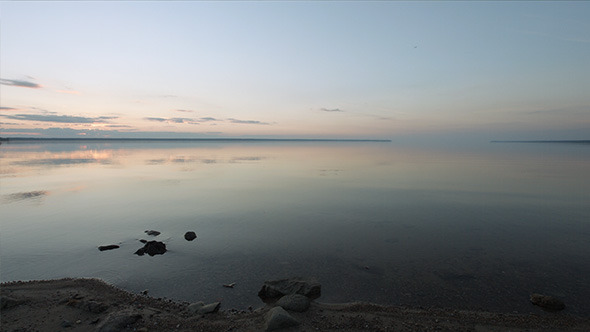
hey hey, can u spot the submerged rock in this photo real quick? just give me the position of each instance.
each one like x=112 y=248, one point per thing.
x=189 y=236
x=109 y=247
x=275 y=289
x=547 y=302
x=278 y=318
x=152 y=248
x=152 y=232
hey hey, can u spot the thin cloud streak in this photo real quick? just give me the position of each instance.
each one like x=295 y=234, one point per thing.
x=208 y=118
x=172 y=120
x=182 y=120
x=118 y=126
x=20 y=83
x=232 y=120
x=101 y=133
x=331 y=110
x=59 y=118
x=155 y=119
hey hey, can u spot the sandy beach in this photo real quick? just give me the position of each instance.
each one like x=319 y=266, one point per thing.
x=92 y=305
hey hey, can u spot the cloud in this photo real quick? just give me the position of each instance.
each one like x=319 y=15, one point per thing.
x=155 y=119
x=3 y=108
x=37 y=109
x=208 y=118
x=59 y=118
x=118 y=126
x=232 y=120
x=172 y=120
x=102 y=133
x=19 y=83
x=185 y=111
x=331 y=110
x=574 y=110
x=182 y=120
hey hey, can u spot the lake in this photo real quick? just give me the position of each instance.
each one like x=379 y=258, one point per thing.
x=481 y=226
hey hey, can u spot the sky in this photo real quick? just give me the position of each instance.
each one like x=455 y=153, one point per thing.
x=295 y=69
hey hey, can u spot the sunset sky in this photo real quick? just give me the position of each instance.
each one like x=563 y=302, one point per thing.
x=298 y=69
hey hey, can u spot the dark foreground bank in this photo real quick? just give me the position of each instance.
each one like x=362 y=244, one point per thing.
x=92 y=305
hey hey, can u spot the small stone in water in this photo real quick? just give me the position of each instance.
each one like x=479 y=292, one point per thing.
x=189 y=236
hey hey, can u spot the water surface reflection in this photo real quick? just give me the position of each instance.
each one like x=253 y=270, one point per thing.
x=478 y=228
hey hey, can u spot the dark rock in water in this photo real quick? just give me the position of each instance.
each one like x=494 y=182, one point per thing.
x=152 y=248
x=143 y=241
x=294 y=302
x=189 y=236
x=152 y=232
x=275 y=289
x=109 y=247
x=278 y=318
x=547 y=302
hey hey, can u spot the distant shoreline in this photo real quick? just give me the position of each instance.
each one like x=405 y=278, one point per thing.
x=54 y=139
x=547 y=141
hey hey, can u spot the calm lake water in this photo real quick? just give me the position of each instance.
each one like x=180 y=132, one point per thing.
x=479 y=227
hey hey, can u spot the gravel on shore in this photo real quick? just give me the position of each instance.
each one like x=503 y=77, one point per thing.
x=92 y=305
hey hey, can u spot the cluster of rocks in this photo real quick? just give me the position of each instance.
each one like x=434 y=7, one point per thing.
x=286 y=295
x=151 y=247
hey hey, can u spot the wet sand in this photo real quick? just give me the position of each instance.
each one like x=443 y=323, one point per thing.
x=92 y=305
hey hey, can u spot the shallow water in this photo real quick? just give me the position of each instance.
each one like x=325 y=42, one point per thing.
x=478 y=227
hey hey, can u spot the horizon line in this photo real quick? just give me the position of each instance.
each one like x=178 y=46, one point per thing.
x=8 y=139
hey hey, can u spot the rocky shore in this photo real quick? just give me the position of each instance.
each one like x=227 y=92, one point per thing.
x=290 y=305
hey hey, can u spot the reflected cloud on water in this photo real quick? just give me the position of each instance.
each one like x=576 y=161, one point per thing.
x=46 y=158
x=53 y=161
x=29 y=195
x=186 y=160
